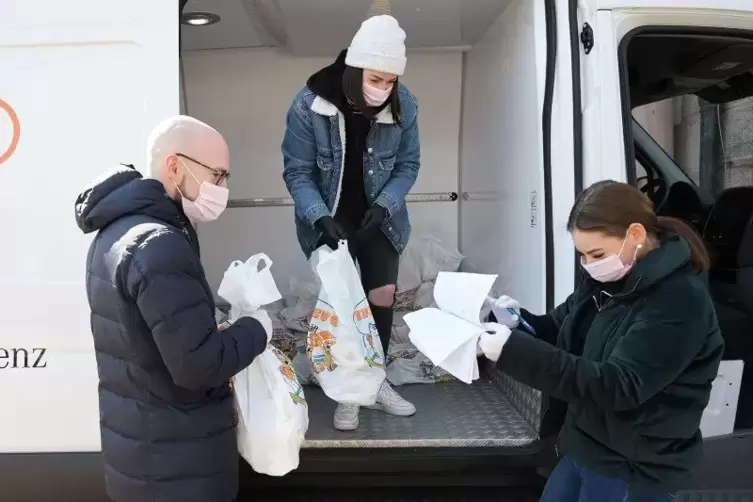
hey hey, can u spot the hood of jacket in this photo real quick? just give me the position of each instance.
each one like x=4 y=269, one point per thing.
x=328 y=83
x=120 y=192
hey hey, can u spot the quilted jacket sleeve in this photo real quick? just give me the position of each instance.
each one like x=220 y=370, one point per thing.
x=165 y=279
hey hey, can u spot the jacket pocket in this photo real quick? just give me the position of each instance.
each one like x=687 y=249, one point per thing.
x=386 y=163
x=607 y=430
x=325 y=162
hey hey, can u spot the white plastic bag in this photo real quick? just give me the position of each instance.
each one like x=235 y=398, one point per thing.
x=272 y=414
x=343 y=343
x=246 y=287
x=269 y=400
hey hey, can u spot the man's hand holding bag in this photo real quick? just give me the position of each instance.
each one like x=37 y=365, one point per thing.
x=269 y=400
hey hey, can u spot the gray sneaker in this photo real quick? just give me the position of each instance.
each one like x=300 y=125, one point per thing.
x=392 y=403
x=346 y=417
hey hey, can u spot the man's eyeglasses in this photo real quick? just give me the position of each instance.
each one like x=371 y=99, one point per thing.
x=220 y=175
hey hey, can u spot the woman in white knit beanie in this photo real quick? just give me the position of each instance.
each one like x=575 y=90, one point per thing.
x=351 y=154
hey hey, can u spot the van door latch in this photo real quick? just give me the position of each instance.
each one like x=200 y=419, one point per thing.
x=587 y=38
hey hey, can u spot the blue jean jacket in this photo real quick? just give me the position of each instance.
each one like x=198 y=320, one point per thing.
x=313 y=152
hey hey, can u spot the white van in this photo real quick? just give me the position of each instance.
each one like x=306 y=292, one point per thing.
x=522 y=104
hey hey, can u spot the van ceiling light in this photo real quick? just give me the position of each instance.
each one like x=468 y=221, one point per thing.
x=199 y=18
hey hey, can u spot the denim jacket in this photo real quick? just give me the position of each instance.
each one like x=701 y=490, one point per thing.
x=313 y=152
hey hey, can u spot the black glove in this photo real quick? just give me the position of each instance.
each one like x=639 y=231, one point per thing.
x=332 y=231
x=372 y=220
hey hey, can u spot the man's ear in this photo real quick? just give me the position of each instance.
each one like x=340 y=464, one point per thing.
x=170 y=167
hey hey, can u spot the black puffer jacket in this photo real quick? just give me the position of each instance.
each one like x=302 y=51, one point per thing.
x=166 y=409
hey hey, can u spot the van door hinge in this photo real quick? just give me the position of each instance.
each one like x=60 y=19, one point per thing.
x=587 y=38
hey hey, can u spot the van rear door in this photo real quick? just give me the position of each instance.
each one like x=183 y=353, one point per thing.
x=83 y=82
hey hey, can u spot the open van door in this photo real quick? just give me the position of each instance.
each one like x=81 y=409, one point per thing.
x=69 y=70
x=636 y=53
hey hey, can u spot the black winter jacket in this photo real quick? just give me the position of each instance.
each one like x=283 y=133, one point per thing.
x=634 y=365
x=166 y=409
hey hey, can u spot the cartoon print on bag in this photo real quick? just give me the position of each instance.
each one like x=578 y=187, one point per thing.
x=364 y=321
x=286 y=368
x=319 y=350
x=320 y=339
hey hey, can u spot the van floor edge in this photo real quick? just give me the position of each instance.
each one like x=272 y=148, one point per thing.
x=396 y=495
x=449 y=414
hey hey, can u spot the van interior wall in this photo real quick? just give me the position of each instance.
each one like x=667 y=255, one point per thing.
x=246 y=93
x=502 y=217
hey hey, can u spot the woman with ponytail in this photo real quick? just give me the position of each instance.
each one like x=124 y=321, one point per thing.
x=351 y=154
x=627 y=360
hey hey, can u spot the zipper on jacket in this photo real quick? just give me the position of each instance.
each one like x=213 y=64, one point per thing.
x=620 y=296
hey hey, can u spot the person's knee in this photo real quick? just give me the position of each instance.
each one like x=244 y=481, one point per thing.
x=383 y=296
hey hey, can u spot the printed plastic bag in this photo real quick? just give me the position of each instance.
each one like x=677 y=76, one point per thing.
x=269 y=400
x=343 y=343
x=272 y=414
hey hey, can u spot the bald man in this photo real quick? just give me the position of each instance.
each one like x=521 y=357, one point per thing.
x=166 y=408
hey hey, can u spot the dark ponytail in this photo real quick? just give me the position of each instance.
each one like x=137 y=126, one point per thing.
x=699 y=255
x=611 y=207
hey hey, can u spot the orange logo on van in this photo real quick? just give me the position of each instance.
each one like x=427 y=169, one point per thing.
x=15 y=131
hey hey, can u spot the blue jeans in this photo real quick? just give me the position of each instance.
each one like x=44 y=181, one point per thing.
x=571 y=482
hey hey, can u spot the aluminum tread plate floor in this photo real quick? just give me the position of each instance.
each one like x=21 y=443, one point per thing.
x=449 y=415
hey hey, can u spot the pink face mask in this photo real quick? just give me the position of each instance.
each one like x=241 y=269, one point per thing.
x=375 y=96
x=210 y=203
x=611 y=268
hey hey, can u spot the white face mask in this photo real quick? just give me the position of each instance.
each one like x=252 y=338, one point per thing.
x=210 y=203
x=375 y=96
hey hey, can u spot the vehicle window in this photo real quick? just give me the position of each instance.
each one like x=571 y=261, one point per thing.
x=711 y=143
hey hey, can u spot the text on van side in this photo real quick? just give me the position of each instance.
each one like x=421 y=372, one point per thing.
x=22 y=358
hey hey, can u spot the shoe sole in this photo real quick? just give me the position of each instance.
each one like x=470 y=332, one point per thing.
x=380 y=407
x=346 y=427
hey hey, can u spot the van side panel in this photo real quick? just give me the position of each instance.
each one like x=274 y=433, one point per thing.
x=86 y=80
x=503 y=224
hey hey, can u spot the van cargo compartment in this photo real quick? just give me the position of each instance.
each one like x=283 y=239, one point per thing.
x=450 y=414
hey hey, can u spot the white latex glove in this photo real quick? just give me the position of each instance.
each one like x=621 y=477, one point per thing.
x=262 y=316
x=492 y=342
x=500 y=308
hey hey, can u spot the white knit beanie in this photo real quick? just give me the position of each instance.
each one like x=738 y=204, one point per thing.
x=379 y=45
